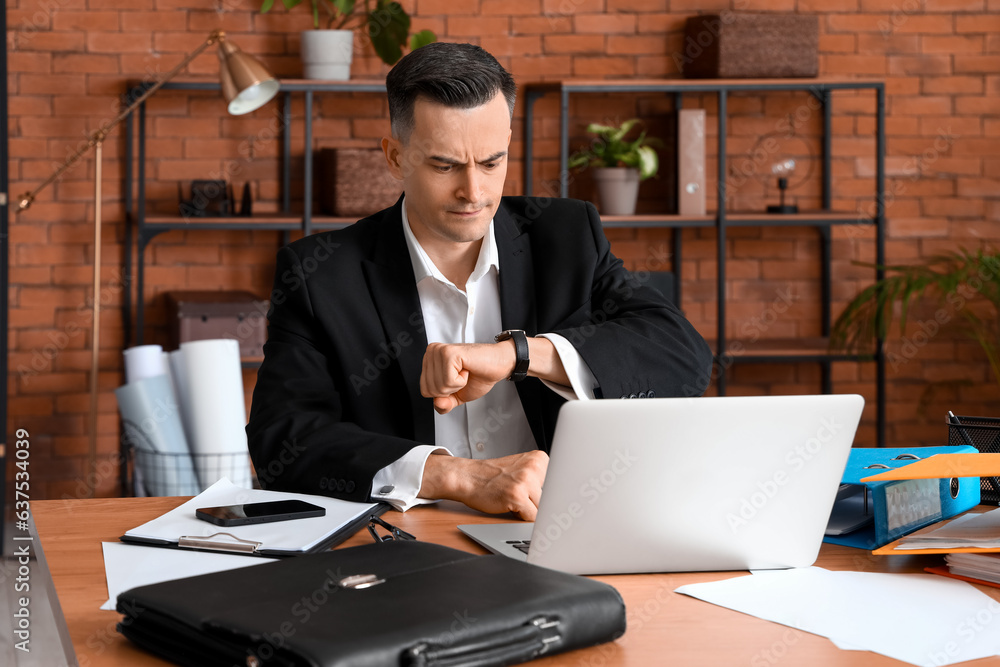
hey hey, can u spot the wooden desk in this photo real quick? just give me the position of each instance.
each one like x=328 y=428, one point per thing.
x=663 y=627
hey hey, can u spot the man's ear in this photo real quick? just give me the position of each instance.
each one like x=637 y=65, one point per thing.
x=393 y=151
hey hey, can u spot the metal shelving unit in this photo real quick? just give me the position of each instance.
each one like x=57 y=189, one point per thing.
x=142 y=228
x=721 y=220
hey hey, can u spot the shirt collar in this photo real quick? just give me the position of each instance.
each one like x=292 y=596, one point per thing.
x=424 y=267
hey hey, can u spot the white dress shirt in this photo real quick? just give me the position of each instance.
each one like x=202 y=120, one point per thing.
x=493 y=425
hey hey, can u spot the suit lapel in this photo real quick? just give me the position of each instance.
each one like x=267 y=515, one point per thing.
x=517 y=306
x=517 y=277
x=390 y=280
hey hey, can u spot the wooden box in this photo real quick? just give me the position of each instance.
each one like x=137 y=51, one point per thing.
x=239 y=315
x=354 y=182
x=739 y=46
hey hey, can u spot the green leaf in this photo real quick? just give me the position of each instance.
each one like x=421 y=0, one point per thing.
x=422 y=38
x=388 y=28
x=649 y=162
x=343 y=7
x=266 y=7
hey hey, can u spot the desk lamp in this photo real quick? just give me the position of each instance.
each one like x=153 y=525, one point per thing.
x=246 y=85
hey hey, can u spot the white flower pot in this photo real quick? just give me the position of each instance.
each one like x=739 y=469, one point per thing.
x=326 y=54
x=617 y=189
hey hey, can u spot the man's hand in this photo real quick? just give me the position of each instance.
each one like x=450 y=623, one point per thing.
x=507 y=484
x=454 y=374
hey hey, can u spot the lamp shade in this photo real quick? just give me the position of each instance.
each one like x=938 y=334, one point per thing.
x=246 y=84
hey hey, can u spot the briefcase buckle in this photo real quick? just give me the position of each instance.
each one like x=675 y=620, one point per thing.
x=360 y=581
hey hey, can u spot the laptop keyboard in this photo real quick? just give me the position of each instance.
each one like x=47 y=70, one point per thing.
x=520 y=545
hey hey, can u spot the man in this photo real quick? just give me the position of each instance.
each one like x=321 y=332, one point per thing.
x=423 y=352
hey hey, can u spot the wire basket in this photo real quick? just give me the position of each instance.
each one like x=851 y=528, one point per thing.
x=983 y=433
x=181 y=474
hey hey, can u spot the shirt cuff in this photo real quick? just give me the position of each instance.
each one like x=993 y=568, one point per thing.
x=581 y=378
x=399 y=482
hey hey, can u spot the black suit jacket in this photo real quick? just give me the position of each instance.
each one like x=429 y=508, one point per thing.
x=338 y=395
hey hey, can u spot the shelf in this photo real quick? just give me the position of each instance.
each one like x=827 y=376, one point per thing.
x=658 y=220
x=278 y=221
x=812 y=218
x=794 y=219
x=785 y=350
x=698 y=85
x=721 y=219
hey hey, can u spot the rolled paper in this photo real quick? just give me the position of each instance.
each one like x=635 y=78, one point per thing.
x=152 y=424
x=216 y=413
x=143 y=361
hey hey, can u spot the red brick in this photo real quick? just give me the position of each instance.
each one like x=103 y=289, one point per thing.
x=920 y=105
x=604 y=23
x=978 y=187
x=510 y=7
x=89 y=21
x=62 y=41
x=475 y=26
x=977 y=24
x=934 y=85
x=573 y=44
x=153 y=21
x=931 y=64
x=506 y=45
x=923 y=24
x=953 y=5
x=118 y=42
x=541 y=25
x=985 y=64
x=853 y=64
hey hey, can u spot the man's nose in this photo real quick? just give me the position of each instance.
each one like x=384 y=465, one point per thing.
x=471 y=186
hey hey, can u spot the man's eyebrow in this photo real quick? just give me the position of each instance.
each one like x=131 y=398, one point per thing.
x=448 y=160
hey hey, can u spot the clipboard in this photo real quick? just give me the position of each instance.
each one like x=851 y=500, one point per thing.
x=179 y=529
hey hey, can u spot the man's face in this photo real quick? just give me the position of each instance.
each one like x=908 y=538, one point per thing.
x=453 y=167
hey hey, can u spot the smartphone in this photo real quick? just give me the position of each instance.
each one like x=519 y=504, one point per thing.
x=276 y=510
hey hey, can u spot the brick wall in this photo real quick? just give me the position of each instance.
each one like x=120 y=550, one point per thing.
x=69 y=61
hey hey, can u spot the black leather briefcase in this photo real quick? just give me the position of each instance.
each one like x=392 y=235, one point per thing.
x=392 y=603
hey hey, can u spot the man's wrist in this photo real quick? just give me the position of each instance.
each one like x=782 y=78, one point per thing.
x=521 y=352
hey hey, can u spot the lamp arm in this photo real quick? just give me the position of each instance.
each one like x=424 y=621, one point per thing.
x=98 y=136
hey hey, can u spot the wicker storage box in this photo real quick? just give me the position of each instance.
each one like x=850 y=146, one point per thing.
x=354 y=182
x=224 y=314
x=740 y=46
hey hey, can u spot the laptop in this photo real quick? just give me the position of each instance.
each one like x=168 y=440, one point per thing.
x=685 y=485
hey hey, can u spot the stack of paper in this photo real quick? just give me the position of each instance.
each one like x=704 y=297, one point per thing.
x=969 y=531
x=985 y=567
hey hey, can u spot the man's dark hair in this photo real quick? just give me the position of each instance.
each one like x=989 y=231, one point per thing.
x=462 y=76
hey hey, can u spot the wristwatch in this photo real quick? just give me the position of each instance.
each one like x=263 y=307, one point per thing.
x=520 y=349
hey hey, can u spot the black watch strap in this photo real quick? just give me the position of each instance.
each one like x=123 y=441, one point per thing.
x=520 y=349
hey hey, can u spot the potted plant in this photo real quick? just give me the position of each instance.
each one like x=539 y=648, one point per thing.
x=960 y=280
x=326 y=53
x=619 y=164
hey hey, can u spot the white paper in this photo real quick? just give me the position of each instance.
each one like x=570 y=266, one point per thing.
x=969 y=530
x=216 y=411
x=127 y=566
x=143 y=361
x=293 y=536
x=921 y=619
